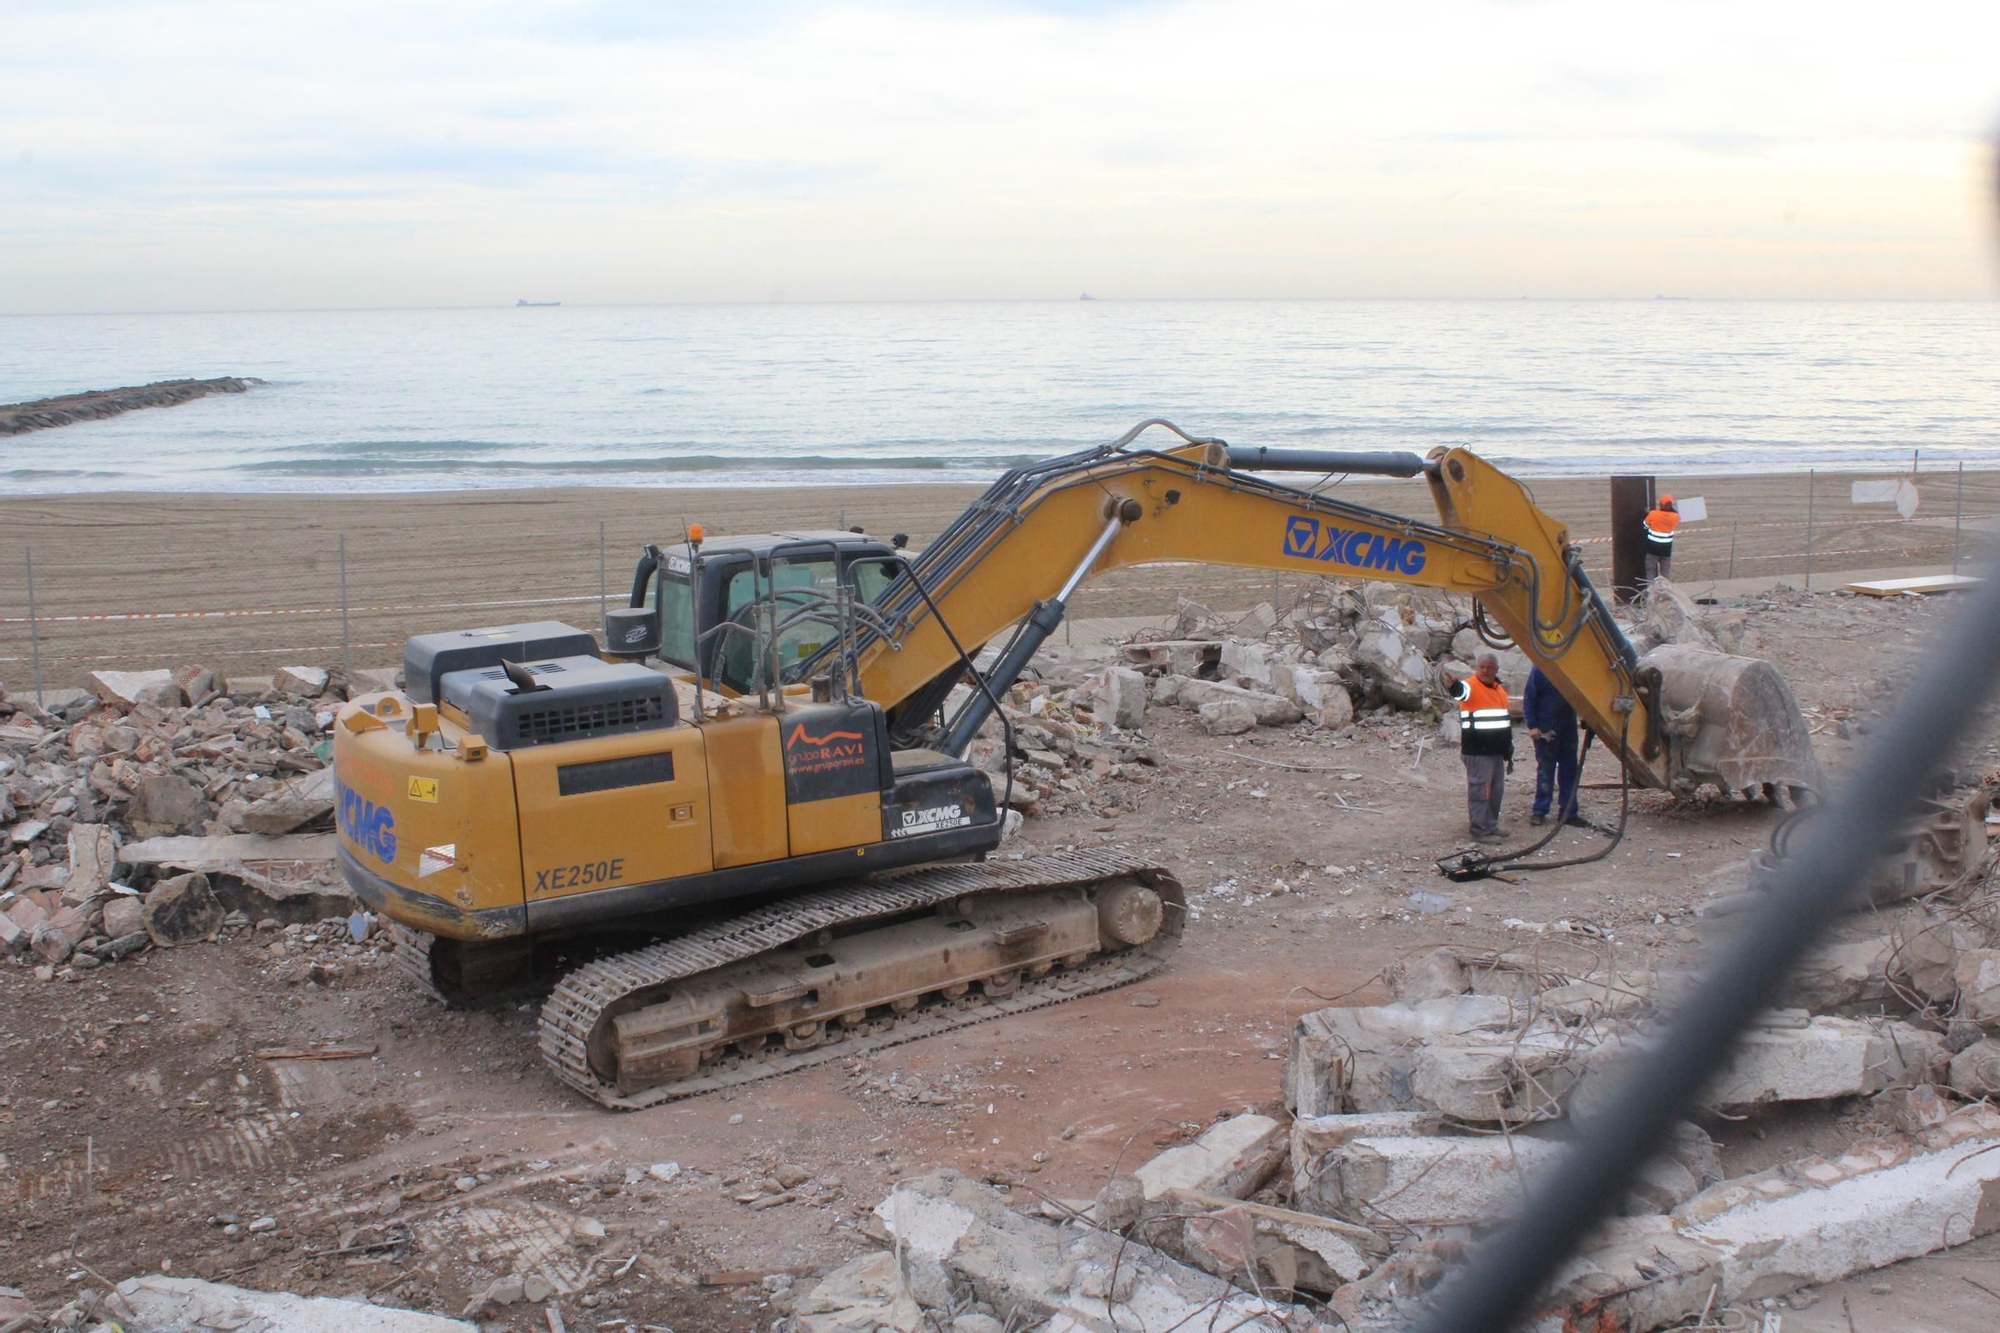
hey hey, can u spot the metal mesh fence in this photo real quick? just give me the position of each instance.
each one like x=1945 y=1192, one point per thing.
x=275 y=591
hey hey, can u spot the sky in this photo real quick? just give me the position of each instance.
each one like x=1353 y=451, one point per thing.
x=190 y=156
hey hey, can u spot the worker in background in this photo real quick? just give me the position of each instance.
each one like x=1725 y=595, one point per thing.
x=1661 y=521
x=1552 y=727
x=1485 y=743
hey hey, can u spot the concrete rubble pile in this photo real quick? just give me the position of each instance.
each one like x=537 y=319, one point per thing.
x=161 y=808
x=1417 y=1125
x=1345 y=652
x=1073 y=741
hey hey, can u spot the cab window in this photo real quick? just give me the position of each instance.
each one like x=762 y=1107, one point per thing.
x=677 y=622
x=807 y=581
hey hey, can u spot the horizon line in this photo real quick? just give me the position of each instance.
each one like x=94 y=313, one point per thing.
x=1011 y=300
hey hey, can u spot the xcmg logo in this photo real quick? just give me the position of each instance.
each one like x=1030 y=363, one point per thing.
x=372 y=826
x=1307 y=539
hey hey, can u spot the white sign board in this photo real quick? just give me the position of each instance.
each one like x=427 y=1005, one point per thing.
x=1901 y=493
x=1694 y=509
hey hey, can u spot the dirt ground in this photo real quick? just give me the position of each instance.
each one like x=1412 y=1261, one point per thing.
x=141 y=1129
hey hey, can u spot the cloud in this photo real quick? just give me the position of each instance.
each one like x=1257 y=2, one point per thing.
x=992 y=149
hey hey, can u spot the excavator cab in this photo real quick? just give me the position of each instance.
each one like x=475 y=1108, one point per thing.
x=741 y=613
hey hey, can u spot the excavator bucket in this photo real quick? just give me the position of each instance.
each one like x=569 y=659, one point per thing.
x=1731 y=721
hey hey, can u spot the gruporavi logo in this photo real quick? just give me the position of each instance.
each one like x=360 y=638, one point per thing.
x=1309 y=539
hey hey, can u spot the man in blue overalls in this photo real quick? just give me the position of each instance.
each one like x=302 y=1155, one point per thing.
x=1552 y=726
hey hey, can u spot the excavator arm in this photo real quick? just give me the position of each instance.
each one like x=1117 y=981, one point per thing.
x=1017 y=554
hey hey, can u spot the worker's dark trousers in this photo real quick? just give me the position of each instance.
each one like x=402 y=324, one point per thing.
x=1555 y=771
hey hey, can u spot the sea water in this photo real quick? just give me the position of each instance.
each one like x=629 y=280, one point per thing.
x=775 y=394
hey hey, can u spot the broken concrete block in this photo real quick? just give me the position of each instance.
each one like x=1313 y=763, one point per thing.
x=93 y=858
x=1120 y=693
x=1927 y=945
x=308 y=682
x=1176 y=657
x=1397 y=666
x=1608 y=995
x=199 y=684
x=1828 y=1057
x=1429 y=975
x=1639 y=1273
x=26 y=913
x=1335 y=708
x=1280 y=1250
x=1975 y=1071
x=1232 y=1158
x=56 y=938
x=13 y=939
x=1661 y=1186
x=1313 y=1137
x=860 y=1296
x=183 y=910
x=1671 y=616
x=1874 y=1205
x=123 y=915
x=1362 y=1059
x=1227 y=717
x=189 y=1305
x=129 y=689
x=1270 y=710
x=1437 y=1181
x=1513 y=1079
x=1247 y=664
x=299 y=802
x=168 y=803
x=1320 y=692
x=1839 y=977
x=1789 y=1058
x=1978 y=979
x=957 y=1242
x=230 y=854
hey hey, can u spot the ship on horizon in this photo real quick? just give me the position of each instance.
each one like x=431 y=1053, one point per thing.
x=521 y=301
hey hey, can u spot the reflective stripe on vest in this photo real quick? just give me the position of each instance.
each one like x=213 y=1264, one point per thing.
x=1660 y=525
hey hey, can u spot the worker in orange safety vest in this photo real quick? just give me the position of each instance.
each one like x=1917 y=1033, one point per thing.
x=1660 y=524
x=1486 y=744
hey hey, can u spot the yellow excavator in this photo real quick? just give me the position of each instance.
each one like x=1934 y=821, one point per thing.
x=744 y=830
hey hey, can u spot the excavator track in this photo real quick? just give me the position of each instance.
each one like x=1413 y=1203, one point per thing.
x=589 y=998
x=412 y=953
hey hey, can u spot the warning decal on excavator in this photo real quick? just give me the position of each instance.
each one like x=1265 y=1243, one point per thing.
x=1309 y=539
x=424 y=789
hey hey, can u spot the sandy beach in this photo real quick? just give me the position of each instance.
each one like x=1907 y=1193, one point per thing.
x=419 y=562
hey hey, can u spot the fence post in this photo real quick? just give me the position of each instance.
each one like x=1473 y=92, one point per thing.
x=1733 y=529
x=34 y=632
x=1957 y=512
x=346 y=648
x=1811 y=476
x=601 y=594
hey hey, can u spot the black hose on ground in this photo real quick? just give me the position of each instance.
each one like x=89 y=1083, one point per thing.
x=1473 y=865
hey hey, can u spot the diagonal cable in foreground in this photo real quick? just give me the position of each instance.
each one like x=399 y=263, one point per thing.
x=1807 y=893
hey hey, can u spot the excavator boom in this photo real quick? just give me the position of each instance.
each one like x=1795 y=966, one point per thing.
x=1046 y=526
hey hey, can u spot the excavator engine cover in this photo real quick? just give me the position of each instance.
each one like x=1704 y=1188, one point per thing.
x=1730 y=721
